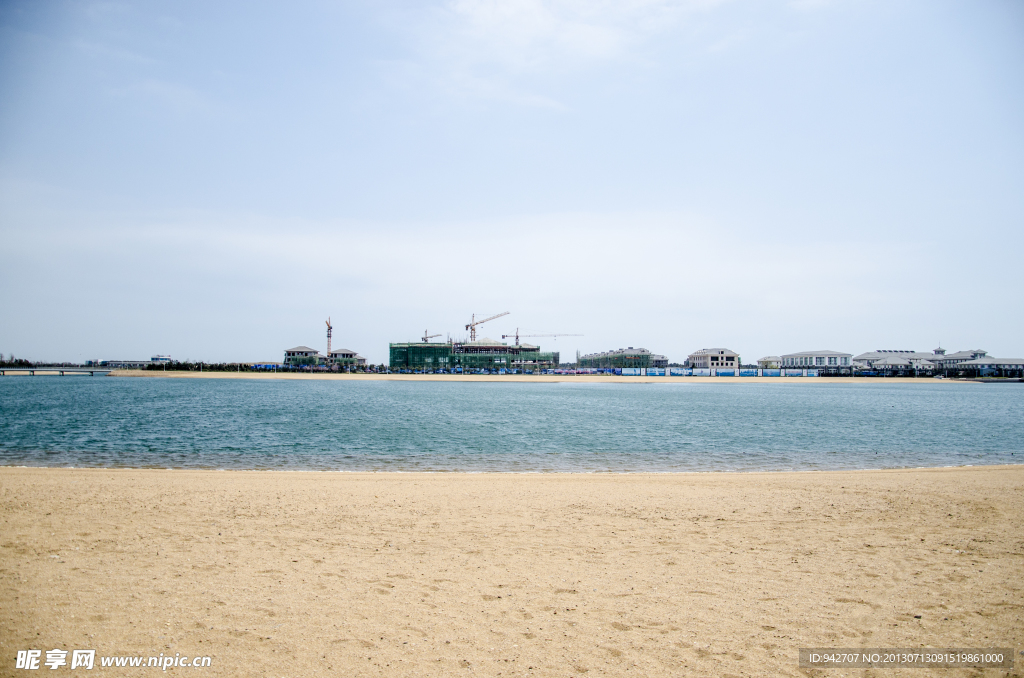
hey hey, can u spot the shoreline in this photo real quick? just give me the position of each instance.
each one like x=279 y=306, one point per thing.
x=540 y=474
x=925 y=469
x=531 y=378
x=500 y=575
x=517 y=474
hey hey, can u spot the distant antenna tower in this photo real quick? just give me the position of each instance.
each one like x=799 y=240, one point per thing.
x=329 y=328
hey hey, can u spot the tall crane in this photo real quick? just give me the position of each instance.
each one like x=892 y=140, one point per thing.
x=329 y=328
x=474 y=322
x=427 y=337
x=517 y=335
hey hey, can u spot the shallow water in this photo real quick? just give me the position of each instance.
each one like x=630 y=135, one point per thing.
x=520 y=427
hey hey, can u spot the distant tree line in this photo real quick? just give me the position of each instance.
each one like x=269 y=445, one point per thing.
x=188 y=366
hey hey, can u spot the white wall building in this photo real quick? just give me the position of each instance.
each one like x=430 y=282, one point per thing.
x=897 y=364
x=918 y=359
x=987 y=364
x=819 y=359
x=714 y=357
x=126 y=364
x=953 y=360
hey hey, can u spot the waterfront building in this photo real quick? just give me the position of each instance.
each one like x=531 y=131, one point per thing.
x=485 y=353
x=713 y=358
x=132 y=364
x=897 y=365
x=303 y=356
x=871 y=357
x=345 y=357
x=770 y=362
x=954 y=360
x=623 y=357
x=819 y=359
x=420 y=356
x=937 y=359
x=992 y=367
x=868 y=360
x=126 y=364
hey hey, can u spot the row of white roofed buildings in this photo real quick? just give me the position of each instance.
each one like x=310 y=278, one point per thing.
x=888 y=361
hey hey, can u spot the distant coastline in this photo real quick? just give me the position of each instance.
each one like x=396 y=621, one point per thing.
x=529 y=378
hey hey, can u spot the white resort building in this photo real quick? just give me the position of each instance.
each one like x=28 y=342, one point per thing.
x=1002 y=367
x=898 y=364
x=714 y=357
x=957 y=359
x=824 y=359
x=917 y=360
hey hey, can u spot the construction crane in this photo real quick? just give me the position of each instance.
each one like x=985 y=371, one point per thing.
x=329 y=328
x=427 y=337
x=474 y=322
x=517 y=335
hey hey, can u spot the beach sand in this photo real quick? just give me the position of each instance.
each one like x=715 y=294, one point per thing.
x=527 y=378
x=301 y=574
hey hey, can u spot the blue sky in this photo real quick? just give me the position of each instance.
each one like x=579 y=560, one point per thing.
x=212 y=180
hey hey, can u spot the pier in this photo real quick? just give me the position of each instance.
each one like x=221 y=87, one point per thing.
x=55 y=370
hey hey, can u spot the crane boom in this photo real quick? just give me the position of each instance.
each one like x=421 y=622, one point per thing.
x=474 y=322
x=517 y=335
x=427 y=336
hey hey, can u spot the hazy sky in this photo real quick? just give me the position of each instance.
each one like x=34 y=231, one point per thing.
x=213 y=180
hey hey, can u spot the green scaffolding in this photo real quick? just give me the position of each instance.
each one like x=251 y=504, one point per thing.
x=453 y=356
x=615 y=359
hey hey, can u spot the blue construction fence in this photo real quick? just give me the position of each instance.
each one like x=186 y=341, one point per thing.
x=693 y=372
x=711 y=372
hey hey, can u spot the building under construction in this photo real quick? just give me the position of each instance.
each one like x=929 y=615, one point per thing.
x=623 y=357
x=485 y=354
x=304 y=356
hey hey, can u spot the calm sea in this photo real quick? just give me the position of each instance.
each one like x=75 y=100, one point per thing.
x=458 y=426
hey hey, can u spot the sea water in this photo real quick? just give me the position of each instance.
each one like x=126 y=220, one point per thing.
x=514 y=427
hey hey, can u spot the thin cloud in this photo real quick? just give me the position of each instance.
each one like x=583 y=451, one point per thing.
x=524 y=35
x=510 y=50
x=811 y=4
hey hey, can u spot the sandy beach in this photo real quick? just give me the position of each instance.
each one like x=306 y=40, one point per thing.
x=302 y=574
x=525 y=378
